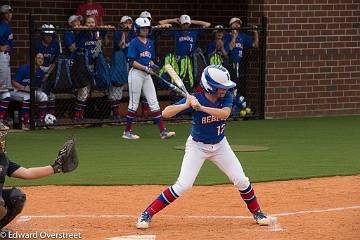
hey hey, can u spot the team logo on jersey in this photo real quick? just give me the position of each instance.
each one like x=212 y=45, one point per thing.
x=239 y=45
x=47 y=55
x=11 y=37
x=186 y=39
x=26 y=81
x=145 y=54
x=90 y=43
x=91 y=12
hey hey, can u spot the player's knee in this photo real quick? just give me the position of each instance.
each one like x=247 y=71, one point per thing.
x=154 y=105
x=241 y=183
x=43 y=97
x=181 y=187
x=17 y=200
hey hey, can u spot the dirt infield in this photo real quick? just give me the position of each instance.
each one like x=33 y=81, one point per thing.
x=322 y=208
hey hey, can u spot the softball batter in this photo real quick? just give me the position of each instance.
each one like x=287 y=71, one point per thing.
x=207 y=141
x=141 y=54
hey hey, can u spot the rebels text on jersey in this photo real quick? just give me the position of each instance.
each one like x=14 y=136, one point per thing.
x=205 y=127
x=141 y=52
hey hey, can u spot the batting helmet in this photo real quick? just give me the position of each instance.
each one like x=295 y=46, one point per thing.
x=214 y=77
x=47 y=26
x=141 y=23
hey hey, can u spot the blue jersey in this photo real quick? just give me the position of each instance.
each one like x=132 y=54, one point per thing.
x=69 y=39
x=117 y=39
x=205 y=127
x=50 y=52
x=185 y=41
x=86 y=40
x=241 y=40
x=23 y=76
x=211 y=48
x=6 y=35
x=141 y=52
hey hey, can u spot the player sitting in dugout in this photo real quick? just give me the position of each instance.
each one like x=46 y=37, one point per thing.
x=185 y=43
x=21 y=85
x=12 y=200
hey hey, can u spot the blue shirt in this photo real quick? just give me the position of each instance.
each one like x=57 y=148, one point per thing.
x=211 y=48
x=86 y=40
x=185 y=41
x=140 y=52
x=23 y=76
x=205 y=127
x=50 y=52
x=117 y=39
x=6 y=35
x=69 y=39
x=241 y=40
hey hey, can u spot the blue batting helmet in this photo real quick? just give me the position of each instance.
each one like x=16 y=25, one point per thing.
x=214 y=77
x=141 y=23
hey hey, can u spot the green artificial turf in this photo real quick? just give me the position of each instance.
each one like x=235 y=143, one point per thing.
x=299 y=148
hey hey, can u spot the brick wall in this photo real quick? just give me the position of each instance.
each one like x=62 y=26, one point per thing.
x=57 y=12
x=313 y=56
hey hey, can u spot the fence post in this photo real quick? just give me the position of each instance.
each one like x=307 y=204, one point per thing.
x=263 y=64
x=32 y=72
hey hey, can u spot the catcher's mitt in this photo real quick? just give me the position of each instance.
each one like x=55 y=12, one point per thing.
x=66 y=160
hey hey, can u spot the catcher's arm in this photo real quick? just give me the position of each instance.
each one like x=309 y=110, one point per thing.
x=33 y=173
x=66 y=161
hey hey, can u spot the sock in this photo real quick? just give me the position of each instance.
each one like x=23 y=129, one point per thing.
x=51 y=107
x=42 y=110
x=158 y=121
x=248 y=195
x=164 y=199
x=115 y=107
x=25 y=112
x=79 y=109
x=144 y=107
x=4 y=104
x=129 y=119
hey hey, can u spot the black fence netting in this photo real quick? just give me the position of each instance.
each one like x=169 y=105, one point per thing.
x=80 y=75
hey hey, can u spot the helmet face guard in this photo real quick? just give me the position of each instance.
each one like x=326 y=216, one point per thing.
x=215 y=77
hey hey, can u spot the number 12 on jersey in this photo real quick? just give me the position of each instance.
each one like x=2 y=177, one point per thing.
x=220 y=129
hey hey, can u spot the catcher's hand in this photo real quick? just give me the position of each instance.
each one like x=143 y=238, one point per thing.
x=66 y=160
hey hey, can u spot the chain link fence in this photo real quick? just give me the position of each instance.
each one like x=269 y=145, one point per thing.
x=90 y=86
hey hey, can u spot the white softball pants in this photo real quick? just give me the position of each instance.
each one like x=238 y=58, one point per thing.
x=141 y=81
x=5 y=72
x=221 y=154
x=25 y=96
